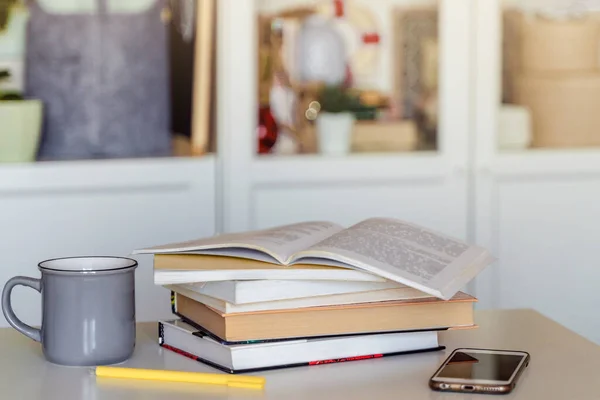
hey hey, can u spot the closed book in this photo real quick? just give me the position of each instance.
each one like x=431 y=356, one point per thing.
x=185 y=268
x=387 y=316
x=180 y=337
x=256 y=291
x=373 y=296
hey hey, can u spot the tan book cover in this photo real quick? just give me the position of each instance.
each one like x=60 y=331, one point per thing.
x=197 y=262
x=183 y=268
x=418 y=314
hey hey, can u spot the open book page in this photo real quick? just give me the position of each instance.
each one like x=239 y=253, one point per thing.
x=277 y=244
x=426 y=260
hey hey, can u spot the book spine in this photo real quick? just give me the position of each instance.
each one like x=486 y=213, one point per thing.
x=205 y=332
x=346 y=359
x=295 y=365
x=173 y=303
x=374 y=356
x=196 y=358
x=202 y=332
x=161 y=333
x=180 y=352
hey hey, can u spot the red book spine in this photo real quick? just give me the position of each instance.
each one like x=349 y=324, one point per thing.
x=345 y=359
x=181 y=352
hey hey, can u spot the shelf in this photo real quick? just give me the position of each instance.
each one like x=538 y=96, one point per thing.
x=354 y=167
x=95 y=175
x=546 y=162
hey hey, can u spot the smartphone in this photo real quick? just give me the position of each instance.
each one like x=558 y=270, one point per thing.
x=480 y=371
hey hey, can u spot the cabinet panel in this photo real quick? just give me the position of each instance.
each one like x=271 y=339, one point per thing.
x=433 y=203
x=104 y=219
x=545 y=235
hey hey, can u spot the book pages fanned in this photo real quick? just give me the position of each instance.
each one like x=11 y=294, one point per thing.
x=390 y=249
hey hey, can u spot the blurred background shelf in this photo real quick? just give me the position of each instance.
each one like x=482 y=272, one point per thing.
x=547 y=162
x=86 y=175
x=316 y=168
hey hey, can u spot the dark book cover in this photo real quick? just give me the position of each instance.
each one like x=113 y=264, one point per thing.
x=161 y=341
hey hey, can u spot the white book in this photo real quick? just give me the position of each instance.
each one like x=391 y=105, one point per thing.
x=244 y=292
x=178 y=336
x=318 y=301
x=388 y=248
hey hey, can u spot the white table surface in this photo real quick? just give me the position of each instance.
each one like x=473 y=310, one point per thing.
x=563 y=366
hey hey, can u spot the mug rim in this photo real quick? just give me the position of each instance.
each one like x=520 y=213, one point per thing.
x=132 y=264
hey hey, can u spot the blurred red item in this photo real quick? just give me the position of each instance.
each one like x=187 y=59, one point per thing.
x=349 y=79
x=369 y=38
x=339 y=8
x=267 y=130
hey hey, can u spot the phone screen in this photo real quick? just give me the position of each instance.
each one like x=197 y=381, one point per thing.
x=488 y=366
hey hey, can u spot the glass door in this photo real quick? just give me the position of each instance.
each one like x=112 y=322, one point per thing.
x=346 y=77
x=550 y=91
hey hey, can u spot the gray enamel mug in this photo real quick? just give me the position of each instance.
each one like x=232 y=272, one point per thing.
x=88 y=310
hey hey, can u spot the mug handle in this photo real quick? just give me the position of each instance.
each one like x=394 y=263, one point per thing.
x=7 y=309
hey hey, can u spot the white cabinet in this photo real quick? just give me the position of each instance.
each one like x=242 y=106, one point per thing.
x=101 y=208
x=537 y=210
x=544 y=231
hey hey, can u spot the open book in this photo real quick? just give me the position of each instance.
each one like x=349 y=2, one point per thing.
x=396 y=250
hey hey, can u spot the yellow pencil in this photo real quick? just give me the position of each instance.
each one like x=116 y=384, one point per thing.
x=238 y=381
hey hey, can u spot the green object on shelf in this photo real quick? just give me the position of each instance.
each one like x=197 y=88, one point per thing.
x=21 y=125
x=12 y=96
x=365 y=113
x=20 y=130
x=336 y=99
x=5 y=10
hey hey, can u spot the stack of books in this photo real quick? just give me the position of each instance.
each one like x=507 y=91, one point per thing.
x=314 y=293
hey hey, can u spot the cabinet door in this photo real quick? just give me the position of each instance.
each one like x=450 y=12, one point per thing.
x=536 y=188
x=101 y=208
x=427 y=185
